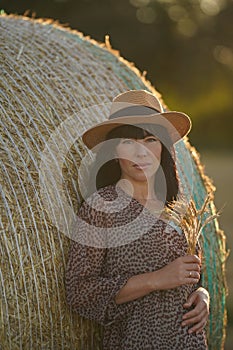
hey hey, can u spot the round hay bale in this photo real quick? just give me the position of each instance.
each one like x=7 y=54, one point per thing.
x=49 y=74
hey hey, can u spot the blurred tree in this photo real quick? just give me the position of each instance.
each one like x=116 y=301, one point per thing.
x=184 y=45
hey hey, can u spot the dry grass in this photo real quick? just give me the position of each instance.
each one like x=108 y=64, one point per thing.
x=191 y=220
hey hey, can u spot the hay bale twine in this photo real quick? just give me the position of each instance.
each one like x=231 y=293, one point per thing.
x=48 y=74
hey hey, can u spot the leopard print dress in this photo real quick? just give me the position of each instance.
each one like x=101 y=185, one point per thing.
x=111 y=243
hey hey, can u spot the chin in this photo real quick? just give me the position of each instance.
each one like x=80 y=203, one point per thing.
x=141 y=178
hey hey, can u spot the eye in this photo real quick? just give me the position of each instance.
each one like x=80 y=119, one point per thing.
x=127 y=141
x=151 y=139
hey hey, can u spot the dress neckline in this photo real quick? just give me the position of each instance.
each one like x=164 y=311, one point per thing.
x=137 y=202
x=152 y=215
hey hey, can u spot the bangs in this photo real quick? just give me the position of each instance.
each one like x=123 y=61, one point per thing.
x=132 y=131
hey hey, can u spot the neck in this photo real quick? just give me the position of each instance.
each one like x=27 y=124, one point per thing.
x=140 y=190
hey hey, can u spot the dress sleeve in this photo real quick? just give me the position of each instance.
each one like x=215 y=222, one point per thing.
x=88 y=292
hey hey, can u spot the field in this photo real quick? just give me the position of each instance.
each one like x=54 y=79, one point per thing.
x=219 y=167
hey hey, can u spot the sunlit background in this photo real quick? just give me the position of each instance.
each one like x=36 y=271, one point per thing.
x=185 y=48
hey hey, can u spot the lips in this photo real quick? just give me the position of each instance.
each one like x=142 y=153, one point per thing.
x=142 y=165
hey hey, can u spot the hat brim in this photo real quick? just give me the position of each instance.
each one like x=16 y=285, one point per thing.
x=177 y=124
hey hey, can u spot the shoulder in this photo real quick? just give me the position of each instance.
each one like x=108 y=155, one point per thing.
x=107 y=193
x=98 y=202
x=91 y=223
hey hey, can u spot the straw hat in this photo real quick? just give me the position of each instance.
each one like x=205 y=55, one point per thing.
x=137 y=107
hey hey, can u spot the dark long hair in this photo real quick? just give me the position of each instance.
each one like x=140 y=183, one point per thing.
x=109 y=172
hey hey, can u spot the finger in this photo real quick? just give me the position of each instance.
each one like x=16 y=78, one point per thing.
x=189 y=280
x=200 y=309
x=198 y=327
x=193 y=313
x=201 y=317
x=193 y=274
x=193 y=267
x=191 y=259
x=192 y=299
x=186 y=306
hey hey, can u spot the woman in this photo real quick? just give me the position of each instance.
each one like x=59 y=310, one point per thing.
x=127 y=267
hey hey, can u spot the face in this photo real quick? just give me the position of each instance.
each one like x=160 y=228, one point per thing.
x=139 y=159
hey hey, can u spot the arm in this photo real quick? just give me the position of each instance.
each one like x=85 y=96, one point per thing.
x=171 y=276
x=89 y=293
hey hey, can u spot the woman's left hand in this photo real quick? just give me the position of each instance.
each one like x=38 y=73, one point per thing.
x=198 y=316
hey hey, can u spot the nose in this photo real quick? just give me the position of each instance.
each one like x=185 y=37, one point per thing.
x=140 y=150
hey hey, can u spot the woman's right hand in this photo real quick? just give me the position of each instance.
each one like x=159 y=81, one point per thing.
x=183 y=270
x=170 y=276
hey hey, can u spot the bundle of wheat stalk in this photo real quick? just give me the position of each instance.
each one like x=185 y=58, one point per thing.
x=48 y=75
x=191 y=220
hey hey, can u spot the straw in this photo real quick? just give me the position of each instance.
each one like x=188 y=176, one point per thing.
x=190 y=219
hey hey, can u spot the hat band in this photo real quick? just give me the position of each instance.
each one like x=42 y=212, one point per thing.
x=133 y=111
